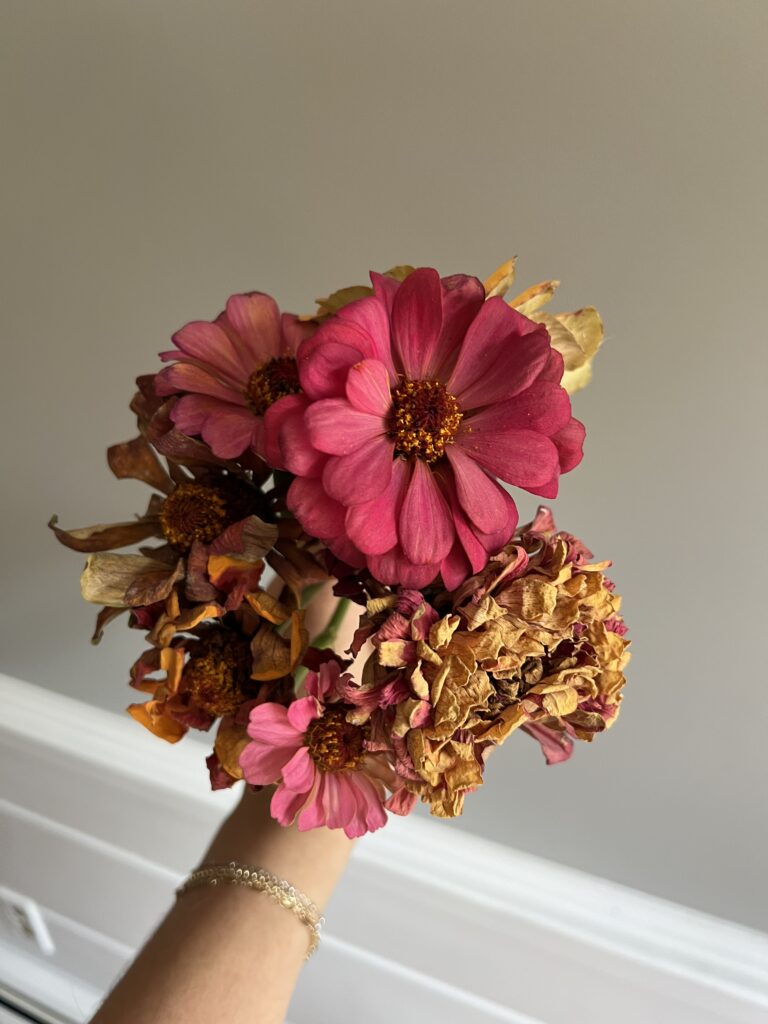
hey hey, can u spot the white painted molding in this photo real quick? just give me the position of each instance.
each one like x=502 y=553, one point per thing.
x=458 y=928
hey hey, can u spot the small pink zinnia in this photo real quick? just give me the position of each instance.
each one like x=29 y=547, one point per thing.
x=414 y=401
x=231 y=371
x=326 y=774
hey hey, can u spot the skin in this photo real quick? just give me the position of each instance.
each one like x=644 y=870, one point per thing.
x=228 y=953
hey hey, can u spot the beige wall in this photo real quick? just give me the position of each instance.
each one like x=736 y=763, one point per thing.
x=160 y=154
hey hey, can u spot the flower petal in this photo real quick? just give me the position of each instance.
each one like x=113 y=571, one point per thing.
x=318 y=513
x=521 y=457
x=417 y=317
x=228 y=429
x=502 y=354
x=286 y=804
x=425 y=526
x=256 y=321
x=360 y=476
x=210 y=344
x=313 y=814
x=268 y=724
x=480 y=496
x=371 y=316
x=335 y=427
x=543 y=407
x=301 y=712
x=368 y=387
x=325 y=359
x=372 y=525
x=299 y=773
x=395 y=568
x=463 y=297
x=569 y=442
x=187 y=377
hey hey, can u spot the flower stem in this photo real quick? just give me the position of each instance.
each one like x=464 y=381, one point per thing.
x=328 y=636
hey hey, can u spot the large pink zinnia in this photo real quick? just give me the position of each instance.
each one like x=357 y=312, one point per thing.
x=231 y=371
x=326 y=774
x=414 y=400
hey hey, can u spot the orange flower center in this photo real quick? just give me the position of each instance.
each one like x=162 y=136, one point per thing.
x=424 y=419
x=335 y=745
x=217 y=672
x=193 y=512
x=271 y=381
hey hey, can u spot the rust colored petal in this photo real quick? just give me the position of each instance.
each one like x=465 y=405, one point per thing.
x=136 y=460
x=231 y=739
x=125 y=581
x=268 y=607
x=271 y=654
x=105 y=536
x=105 y=616
x=150 y=715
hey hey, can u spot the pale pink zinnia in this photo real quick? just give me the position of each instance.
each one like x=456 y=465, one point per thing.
x=415 y=400
x=326 y=774
x=231 y=371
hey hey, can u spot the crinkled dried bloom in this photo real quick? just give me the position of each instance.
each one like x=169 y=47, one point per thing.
x=209 y=664
x=229 y=372
x=577 y=336
x=325 y=772
x=416 y=400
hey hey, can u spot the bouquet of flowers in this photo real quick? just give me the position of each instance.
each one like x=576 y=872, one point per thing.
x=366 y=444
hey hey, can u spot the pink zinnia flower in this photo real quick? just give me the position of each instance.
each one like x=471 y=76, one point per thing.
x=327 y=775
x=414 y=401
x=231 y=371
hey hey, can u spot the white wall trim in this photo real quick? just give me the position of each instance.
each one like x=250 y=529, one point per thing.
x=475 y=928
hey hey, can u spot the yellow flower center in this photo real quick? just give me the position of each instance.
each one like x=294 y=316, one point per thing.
x=335 y=745
x=271 y=381
x=217 y=672
x=424 y=419
x=193 y=512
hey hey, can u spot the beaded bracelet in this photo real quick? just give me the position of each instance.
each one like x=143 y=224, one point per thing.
x=261 y=880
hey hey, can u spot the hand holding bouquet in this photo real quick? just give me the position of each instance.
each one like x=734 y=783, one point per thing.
x=366 y=444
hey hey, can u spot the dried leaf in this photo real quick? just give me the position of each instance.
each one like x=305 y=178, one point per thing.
x=137 y=461
x=534 y=298
x=501 y=279
x=124 y=581
x=105 y=616
x=106 y=536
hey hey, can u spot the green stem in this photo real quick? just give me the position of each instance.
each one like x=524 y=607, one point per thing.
x=331 y=631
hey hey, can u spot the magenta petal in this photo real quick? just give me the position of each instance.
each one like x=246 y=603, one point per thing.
x=502 y=354
x=553 y=368
x=186 y=377
x=463 y=297
x=543 y=407
x=303 y=711
x=299 y=772
x=569 y=442
x=369 y=814
x=455 y=568
x=293 y=332
x=228 y=429
x=339 y=803
x=262 y=765
x=417 y=317
x=521 y=457
x=256 y=321
x=325 y=359
x=548 y=489
x=385 y=289
x=372 y=526
x=268 y=723
x=479 y=496
x=318 y=514
x=335 y=427
x=286 y=804
x=426 y=525
x=368 y=387
x=313 y=814
x=371 y=316
x=209 y=343
x=360 y=476
x=395 y=568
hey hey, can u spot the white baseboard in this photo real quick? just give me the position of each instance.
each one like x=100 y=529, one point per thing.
x=100 y=820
